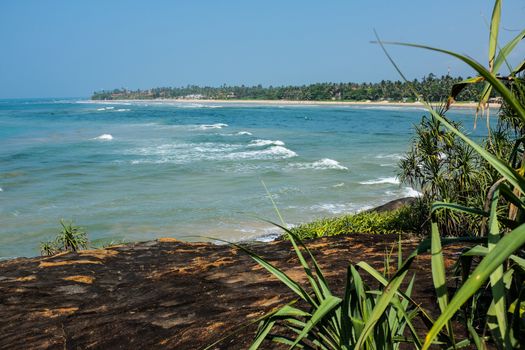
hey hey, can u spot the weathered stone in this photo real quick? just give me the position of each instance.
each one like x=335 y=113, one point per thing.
x=166 y=293
x=395 y=204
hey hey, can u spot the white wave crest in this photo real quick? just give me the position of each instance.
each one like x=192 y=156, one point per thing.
x=122 y=110
x=404 y=192
x=241 y=133
x=104 y=137
x=212 y=126
x=395 y=156
x=340 y=208
x=383 y=180
x=181 y=153
x=410 y=192
x=274 y=152
x=262 y=143
x=323 y=164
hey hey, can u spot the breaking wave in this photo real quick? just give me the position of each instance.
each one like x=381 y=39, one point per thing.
x=212 y=126
x=396 y=156
x=262 y=143
x=323 y=164
x=104 y=137
x=339 y=208
x=382 y=180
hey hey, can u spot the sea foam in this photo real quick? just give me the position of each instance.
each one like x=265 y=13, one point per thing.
x=404 y=192
x=382 y=180
x=104 y=137
x=395 y=156
x=410 y=192
x=274 y=152
x=323 y=164
x=339 y=208
x=262 y=143
x=246 y=133
x=212 y=126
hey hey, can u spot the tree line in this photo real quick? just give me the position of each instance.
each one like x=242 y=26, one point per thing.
x=431 y=87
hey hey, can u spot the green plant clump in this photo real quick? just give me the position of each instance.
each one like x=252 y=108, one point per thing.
x=403 y=220
x=489 y=296
x=71 y=238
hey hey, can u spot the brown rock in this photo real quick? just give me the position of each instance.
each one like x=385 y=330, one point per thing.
x=165 y=294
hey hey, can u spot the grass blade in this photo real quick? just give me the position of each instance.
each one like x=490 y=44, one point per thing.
x=505 y=247
x=438 y=271
x=494 y=31
x=496 y=278
x=324 y=308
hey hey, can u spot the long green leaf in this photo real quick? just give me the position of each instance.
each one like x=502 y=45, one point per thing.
x=510 y=174
x=281 y=276
x=482 y=71
x=382 y=303
x=283 y=312
x=438 y=270
x=494 y=32
x=457 y=207
x=505 y=247
x=328 y=305
x=303 y=262
x=496 y=278
x=480 y=250
x=506 y=50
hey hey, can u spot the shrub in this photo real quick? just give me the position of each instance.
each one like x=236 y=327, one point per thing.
x=404 y=220
x=493 y=271
x=70 y=238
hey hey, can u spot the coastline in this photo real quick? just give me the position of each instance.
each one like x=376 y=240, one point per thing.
x=457 y=105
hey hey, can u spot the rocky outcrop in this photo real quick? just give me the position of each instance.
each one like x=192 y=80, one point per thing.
x=164 y=294
x=395 y=204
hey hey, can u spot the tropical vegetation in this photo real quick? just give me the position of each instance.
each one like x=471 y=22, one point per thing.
x=487 y=301
x=408 y=219
x=432 y=88
x=71 y=238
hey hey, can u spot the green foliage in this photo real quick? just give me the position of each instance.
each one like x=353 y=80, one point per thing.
x=48 y=248
x=70 y=238
x=333 y=322
x=504 y=232
x=432 y=88
x=444 y=168
x=404 y=220
x=489 y=298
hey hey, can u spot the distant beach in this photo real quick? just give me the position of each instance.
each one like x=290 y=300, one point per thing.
x=459 y=105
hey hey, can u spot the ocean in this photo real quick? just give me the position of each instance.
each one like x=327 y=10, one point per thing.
x=142 y=170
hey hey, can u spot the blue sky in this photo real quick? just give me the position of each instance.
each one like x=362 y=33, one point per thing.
x=71 y=48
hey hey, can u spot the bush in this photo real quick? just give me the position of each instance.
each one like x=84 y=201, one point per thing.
x=404 y=220
x=489 y=300
x=70 y=238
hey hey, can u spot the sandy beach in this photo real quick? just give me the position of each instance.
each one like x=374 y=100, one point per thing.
x=459 y=105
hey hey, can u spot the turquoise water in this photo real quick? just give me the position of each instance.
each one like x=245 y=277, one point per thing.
x=136 y=171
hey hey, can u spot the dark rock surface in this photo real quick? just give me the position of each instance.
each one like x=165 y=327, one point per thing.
x=395 y=204
x=165 y=293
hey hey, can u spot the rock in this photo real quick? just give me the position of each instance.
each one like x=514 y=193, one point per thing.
x=395 y=204
x=166 y=294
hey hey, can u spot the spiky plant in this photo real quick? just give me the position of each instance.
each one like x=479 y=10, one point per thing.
x=71 y=237
x=364 y=319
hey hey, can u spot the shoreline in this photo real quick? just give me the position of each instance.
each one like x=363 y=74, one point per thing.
x=457 y=105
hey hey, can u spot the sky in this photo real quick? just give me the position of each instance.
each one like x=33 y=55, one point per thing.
x=64 y=48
